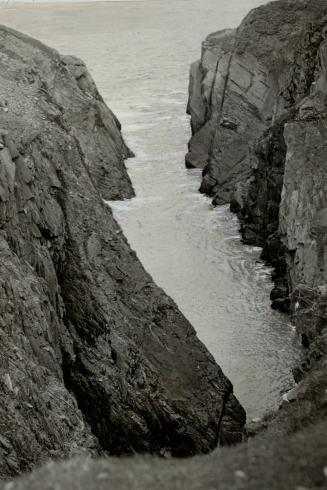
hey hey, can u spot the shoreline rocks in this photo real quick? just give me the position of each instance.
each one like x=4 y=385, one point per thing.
x=235 y=90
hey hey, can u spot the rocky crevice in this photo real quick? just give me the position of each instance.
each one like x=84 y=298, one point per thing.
x=259 y=215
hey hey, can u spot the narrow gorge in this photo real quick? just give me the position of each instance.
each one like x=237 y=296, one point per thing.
x=95 y=359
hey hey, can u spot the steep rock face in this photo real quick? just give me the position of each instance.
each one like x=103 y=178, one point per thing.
x=94 y=356
x=279 y=193
x=236 y=90
x=284 y=208
x=258 y=111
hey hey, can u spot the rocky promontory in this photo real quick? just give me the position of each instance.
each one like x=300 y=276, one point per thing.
x=94 y=357
x=258 y=106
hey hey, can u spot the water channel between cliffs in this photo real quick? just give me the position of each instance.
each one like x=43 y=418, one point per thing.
x=139 y=54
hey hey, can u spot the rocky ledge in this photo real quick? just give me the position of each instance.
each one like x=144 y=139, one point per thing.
x=94 y=357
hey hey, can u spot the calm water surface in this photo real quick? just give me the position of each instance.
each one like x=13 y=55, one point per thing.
x=139 y=54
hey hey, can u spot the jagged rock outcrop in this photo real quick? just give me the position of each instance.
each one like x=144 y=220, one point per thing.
x=258 y=103
x=258 y=111
x=93 y=355
x=235 y=90
x=284 y=208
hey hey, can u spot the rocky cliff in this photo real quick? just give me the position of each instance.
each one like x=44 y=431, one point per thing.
x=243 y=83
x=258 y=114
x=258 y=106
x=94 y=357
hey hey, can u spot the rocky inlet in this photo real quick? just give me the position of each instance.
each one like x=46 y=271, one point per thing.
x=95 y=358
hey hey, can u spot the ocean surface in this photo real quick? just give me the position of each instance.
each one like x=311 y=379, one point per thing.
x=139 y=53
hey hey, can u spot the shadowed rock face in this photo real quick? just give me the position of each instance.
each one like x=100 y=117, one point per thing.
x=93 y=355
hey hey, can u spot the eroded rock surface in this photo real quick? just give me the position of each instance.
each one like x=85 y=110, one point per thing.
x=235 y=89
x=283 y=210
x=93 y=355
x=258 y=102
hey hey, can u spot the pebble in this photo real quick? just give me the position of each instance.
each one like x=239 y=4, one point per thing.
x=240 y=474
x=9 y=485
x=8 y=382
x=103 y=476
x=325 y=471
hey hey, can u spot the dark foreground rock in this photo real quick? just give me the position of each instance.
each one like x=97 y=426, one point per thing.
x=291 y=454
x=94 y=357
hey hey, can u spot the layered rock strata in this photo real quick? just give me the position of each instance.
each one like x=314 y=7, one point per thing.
x=258 y=114
x=242 y=84
x=94 y=357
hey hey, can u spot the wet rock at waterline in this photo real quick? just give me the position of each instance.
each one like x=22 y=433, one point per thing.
x=94 y=356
